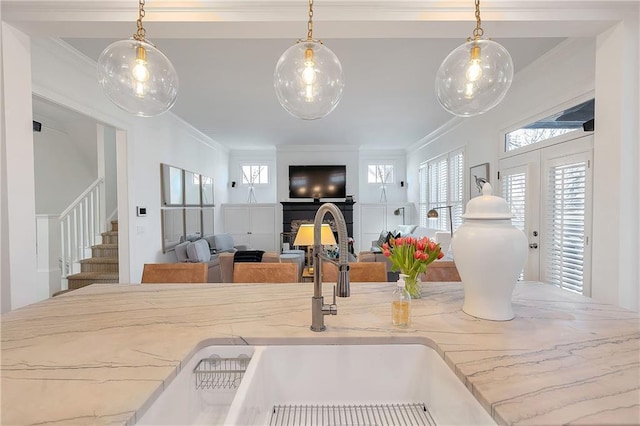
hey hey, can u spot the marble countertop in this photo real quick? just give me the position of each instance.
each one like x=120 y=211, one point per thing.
x=100 y=354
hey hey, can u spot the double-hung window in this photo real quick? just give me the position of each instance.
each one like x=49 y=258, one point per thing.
x=441 y=185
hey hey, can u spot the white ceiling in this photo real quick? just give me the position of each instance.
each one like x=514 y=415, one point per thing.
x=225 y=52
x=226 y=89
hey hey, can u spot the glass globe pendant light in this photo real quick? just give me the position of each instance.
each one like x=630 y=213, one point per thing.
x=474 y=77
x=308 y=77
x=136 y=76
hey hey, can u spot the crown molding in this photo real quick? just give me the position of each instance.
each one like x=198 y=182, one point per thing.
x=431 y=18
x=316 y=148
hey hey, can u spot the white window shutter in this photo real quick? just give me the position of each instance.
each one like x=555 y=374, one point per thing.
x=565 y=233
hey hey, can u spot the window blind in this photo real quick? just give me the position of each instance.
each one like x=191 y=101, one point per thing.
x=514 y=189
x=456 y=189
x=424 y=191
x=566 y=226
x=441 y=185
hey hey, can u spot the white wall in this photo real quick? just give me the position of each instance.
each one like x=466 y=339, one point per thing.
x=110 y=170
x=164 y=140
x=61 y=171
x=564 y=73
x=616 y=180
x=265 y=193
x=19 y=236
x=317 y=155
x=355 y=160
x=59 y=75
x=371 y=193
x=5 y=277
x=573 y=69
x=48 y=251
x=280 y=160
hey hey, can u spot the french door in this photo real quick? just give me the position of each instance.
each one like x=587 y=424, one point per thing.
x=549 y=193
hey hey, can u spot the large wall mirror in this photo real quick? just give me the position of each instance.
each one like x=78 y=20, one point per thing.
x=191 y=189
x=207 y=191
x=172 y=185
x=187 y=205
x=172 y=228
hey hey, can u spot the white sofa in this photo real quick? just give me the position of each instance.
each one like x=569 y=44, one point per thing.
x=441 y=237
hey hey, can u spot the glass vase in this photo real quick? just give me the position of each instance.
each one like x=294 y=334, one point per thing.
x=413 y=284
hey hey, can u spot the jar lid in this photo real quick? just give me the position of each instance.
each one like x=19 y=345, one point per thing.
x=487 y=206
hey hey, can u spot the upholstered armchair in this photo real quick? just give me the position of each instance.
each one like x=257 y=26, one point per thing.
x=223 y=243
x=199 y=251
x=227 y=264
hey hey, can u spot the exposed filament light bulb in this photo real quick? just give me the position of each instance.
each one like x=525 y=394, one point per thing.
x=140 y=73
x=309 y=72
x=474 y=71
x=469 y=90
x=309 y=75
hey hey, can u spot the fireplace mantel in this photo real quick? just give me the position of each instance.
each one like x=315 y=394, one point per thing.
x=292 y=210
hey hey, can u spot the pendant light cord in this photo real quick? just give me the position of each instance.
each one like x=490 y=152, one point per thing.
x=310 y=23
x=139 y=35
x=478 y=31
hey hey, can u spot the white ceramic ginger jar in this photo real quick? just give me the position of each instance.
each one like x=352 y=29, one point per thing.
x=489 y=253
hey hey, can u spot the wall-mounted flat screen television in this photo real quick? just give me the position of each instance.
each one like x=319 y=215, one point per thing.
x=317 y=181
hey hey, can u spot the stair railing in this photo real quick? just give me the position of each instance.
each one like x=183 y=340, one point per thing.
x=80 y=225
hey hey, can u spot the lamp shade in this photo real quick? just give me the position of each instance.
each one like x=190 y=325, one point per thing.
x=432 y=214
x=304 y=237
x=308 y=80
x=474 y=78
x=137 y=77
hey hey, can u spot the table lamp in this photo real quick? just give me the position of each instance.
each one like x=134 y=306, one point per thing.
x=304 y=237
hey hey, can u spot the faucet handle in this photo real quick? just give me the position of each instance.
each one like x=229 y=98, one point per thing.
x=333 y=308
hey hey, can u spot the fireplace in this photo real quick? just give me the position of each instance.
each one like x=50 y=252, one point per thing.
x=296 y=213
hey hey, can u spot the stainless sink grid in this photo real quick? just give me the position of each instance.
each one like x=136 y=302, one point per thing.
x=343 y=415
x=220 y=373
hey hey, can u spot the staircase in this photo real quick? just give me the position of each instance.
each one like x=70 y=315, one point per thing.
x=102 y=266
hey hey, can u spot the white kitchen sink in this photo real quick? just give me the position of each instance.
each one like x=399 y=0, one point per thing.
x=321 y=384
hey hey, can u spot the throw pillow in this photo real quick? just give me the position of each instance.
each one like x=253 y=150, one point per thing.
x=406 y=229
x=391 y=235
x=212 y=243
x=223 y=242
x=181 y=252
x=198 y=251
x=382 y=238
x=248 y=256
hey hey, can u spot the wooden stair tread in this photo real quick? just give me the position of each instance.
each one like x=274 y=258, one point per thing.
x=94 y=276
x=106 y=246
x=100 y=260
x=109 y=233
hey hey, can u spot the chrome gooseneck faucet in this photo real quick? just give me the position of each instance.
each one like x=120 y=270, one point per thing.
x=318 y=308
